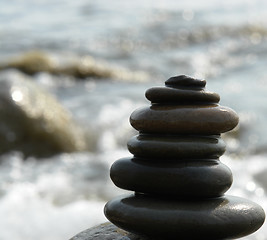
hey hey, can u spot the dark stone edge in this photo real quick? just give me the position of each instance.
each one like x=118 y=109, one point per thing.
x=106 y=231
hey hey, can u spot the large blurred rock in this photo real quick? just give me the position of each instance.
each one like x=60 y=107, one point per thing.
x=32 y=121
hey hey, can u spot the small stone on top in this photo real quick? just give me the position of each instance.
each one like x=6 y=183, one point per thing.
x=183 y=81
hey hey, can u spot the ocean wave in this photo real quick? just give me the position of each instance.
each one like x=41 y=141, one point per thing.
x=78 y=67
x=191 y=35
x=172 y=32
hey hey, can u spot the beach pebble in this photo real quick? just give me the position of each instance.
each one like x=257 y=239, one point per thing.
x=179 y=119
x=176 y=147
x=180 y=96
x=198 y=178
x=226 y=217
x=183 y=81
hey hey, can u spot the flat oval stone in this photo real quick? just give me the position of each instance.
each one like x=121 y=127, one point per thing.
x=226 y=217
x=180 y=96
x=176 y=147
x=183 y=81
x=198 y=178
x=176 y=119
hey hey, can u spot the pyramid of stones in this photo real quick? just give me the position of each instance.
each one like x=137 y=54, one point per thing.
x=175 y=172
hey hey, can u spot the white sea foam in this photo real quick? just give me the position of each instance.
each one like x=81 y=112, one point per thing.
x=27 y=215
x=248 y=184
x=55 y=198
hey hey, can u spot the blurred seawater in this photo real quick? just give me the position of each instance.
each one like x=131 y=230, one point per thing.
x=222 y=41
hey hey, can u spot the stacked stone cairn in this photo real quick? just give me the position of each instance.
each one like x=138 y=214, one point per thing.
x=175 y=172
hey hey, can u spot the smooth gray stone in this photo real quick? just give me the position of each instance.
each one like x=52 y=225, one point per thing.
x=198 y=178
x=107 y=231
x=178 y=119
x=226 y=217
x=180 y=96
x=183 y=81
x=176 y=147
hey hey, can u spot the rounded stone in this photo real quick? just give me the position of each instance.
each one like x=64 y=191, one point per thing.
x=107 y=231
x=177 y=119
x=183 y=81
x=226 y=217
x=180 y=96
x=185 y=178
x=176 y=147
x=34 y=123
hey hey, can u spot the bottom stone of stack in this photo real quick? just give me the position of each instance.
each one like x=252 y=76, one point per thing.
x=225 y=217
